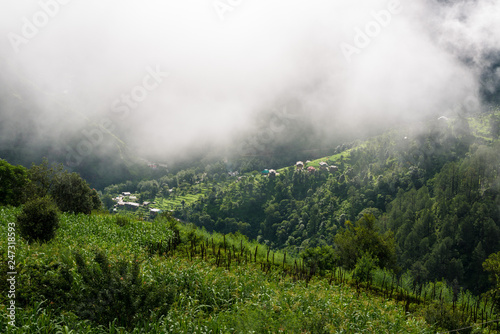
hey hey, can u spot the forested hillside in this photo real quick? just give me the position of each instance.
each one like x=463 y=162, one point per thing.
x=433 y=189
x=436 y=189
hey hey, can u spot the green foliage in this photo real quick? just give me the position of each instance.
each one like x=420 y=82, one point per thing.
x=174 y=294
x=73 y=194
x=492 y=266
x=444 y=317
x=364 y=267
x=355 y=241
x=148 y=188
x=38 y=221
x=109 y=291
x=323 y=257
x=107 y=201
x=13 y=180
x=122 y=220
x=42 y=179
x=70 y=192
x=50 y=282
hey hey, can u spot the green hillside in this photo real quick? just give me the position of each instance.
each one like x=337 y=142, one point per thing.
x=99 y=277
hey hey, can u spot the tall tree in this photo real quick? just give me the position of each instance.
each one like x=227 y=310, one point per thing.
x=13 y=180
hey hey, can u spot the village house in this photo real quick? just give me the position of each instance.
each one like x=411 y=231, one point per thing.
x=154 y=212
x=333 y=169
x=132 y=205
x=272 y=173
x=311 y=169
x=299 y=165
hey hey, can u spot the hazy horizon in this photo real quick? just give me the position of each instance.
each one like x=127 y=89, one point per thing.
x=167 y=76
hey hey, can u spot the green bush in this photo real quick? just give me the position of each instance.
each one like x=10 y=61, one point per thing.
x=323 y=257
x=47 y=282
x=443 y=317
x=122 y=220
x=110 y=291
x=364 y=268
x=38 y=221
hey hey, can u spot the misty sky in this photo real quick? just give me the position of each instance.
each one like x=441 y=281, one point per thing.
x=347 y=63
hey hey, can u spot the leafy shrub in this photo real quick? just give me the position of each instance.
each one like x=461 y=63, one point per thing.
x=38 y=220
x=364 y=268
x=443 y=317
x=115 y=291
x=324 y=257
x=48 y=282
x=122 y=220
x=172 y=225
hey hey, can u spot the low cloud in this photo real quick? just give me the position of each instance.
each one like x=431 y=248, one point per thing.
x=226 y=77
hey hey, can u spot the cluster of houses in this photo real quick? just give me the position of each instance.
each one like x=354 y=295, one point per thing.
x=322 y=165
x=270 y=172
x=300 y=166
x=133 y=205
